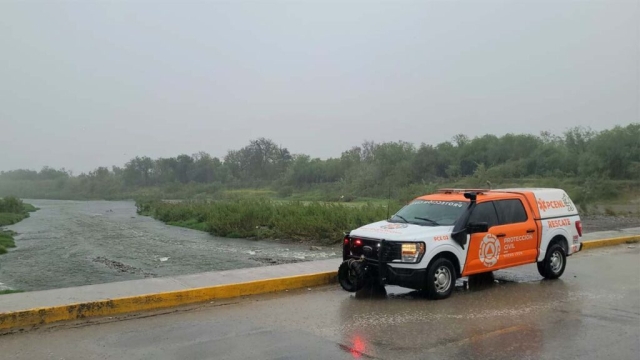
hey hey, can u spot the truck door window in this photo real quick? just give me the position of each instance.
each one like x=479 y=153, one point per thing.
x=510 y=211
x=485 y=212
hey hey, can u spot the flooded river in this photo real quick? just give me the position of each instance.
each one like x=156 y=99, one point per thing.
x=72 y=243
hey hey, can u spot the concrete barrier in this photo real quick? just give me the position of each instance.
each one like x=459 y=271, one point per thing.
x=40 y=316
x=21 y=319
x=591 y=244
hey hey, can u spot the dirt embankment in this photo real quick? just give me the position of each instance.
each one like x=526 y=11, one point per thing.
x=591 y=223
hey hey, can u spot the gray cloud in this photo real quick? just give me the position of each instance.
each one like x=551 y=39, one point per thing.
x=83 y=85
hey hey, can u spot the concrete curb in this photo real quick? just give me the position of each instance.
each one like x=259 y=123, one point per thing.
x=40 y=316
x=591 y=244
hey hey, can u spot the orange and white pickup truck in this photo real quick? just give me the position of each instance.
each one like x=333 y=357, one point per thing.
x=453 y=233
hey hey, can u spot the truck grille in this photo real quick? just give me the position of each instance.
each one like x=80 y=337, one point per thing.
x=370 y=248
x=391 y=251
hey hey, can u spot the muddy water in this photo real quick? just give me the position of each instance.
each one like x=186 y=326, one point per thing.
x=72 y=243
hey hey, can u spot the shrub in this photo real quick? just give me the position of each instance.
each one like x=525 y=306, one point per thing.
x=261 y=218
x=11 y=204
x=4 y=292
x=285 y=191
x=10 y=218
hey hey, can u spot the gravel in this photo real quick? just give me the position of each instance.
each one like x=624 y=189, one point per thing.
x=592 y=223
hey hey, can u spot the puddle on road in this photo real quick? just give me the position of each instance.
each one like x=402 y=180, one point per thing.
x=472 y=283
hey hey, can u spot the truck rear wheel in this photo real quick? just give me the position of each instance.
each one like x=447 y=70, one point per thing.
x=554 y=263
x=441 y=279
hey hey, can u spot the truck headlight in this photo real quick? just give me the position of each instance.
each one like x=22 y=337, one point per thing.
x=412 y=252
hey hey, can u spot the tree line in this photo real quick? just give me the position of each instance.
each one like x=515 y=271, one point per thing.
x=370 y=169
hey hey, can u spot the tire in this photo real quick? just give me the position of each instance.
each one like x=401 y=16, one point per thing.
x=441 y=279
x=351 y=275
x=554 y=263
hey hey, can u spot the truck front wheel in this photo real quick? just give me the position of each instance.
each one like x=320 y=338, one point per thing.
x=352 y=276
x=441 y=279
x=554 y=262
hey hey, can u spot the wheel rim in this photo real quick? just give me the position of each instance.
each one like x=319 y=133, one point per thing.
x=442 y=279
x=556 y=261
x=351 y=275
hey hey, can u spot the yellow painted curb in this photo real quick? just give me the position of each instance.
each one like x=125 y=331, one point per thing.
x=591 y=244
x=46 y=315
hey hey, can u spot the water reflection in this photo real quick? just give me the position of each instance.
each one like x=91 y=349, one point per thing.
x=357 y=347
x=487 y=317
x=372 y=292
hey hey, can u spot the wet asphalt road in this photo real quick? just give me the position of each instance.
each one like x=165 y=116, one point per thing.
x=592 y=312
x=73 y=243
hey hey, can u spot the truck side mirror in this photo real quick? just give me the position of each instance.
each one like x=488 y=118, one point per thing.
x=477 y=227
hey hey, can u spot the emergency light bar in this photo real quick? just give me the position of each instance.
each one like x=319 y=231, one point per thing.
x=458 y=191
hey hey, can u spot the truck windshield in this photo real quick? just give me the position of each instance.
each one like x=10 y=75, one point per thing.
x=430 y=212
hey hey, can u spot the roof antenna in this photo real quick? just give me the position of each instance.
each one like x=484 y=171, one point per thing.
x=471 y=196
x=489 y=183
x=388 y=202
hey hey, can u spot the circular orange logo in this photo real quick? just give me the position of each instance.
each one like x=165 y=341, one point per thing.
x=489 y=250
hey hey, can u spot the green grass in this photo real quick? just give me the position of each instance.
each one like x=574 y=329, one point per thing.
x=17 y=211
x=29 y=207
x=354 y=204
x=322 y=222
x=249 y=192
x=13 y=210
x=5 y=292
x=190 y=224
x=11 y=218
x=6 y=240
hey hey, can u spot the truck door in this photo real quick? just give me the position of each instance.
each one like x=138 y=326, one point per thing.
x=517 y=232
x=483 y=250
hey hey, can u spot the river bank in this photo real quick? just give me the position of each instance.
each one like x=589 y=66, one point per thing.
x=318 y=223
x=12 y=211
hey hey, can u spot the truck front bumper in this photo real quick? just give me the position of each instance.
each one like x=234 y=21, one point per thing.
x=379 y=270
x=409 y=278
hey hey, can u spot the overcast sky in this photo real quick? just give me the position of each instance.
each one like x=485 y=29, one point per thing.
x=90 y=84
